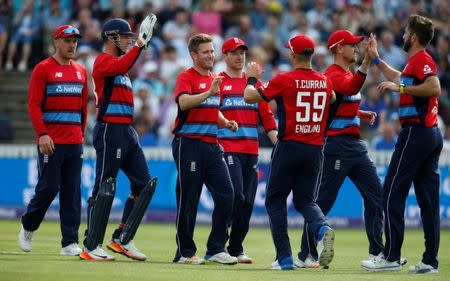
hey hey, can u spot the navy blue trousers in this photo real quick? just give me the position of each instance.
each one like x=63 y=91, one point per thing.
x=243 y=170
x=117 y=148
x=294 y=167
x=346 y=156
x=415 y=160
x=59 y=172
x=201 y=163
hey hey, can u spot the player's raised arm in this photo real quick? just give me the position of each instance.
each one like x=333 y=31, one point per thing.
x=254 y=72
x=390 y=73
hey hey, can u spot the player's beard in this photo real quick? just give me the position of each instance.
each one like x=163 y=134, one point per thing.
x=407 y=44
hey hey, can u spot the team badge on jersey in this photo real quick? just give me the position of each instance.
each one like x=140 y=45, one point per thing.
x=79 y=75
x=202 y=86
x=58 y=74
x=426 y=69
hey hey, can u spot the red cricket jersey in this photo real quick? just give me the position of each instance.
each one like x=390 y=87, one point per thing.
x=57 y=101
x=233 y=107
x=302 y=97
x=113 y=90
x=199 y=122
x=417 y=109
x=343 y=116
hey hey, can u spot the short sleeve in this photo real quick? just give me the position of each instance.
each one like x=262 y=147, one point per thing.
x=273 y=88
x=424 y=67
x=182 y=86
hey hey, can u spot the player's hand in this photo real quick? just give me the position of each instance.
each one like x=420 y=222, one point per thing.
x=46 y=145
x=364 y=50
x=215 y=85
x=146 y=30
x=254 y=70
x=372 y=50
x=368 y=116
x=387 y=85
x=232 y=125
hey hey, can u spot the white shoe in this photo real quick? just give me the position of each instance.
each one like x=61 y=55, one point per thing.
x=422 y=268
x=223 y=258
x=194 y=260
x=128 y=250
x=243 y=258
x=71 y=250
x=325 y=245
x=380 y=265
x=403 y=261
x=8 y=66
x=308 y=263
x=22 y=67
x=25 y=239
x=96 y=255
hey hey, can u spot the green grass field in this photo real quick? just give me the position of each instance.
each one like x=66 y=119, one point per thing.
x=158 y=242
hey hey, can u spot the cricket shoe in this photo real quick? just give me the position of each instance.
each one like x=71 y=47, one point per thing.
x=243 y=258
x=325 y=243
x=403 y=261
x=194 y=260
x=222 y=257
x=286 y=263
x=71 y=250
x=422 y=268
x=309 y=262
x=25 y=239
x=380 y=265
x=98 y=254
x=128 y=250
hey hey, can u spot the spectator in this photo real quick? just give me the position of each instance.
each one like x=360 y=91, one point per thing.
x=245 y=31
x=54 y=16
x=176 y=32
x=391 y=53
x=146 y=136
x=372 y=102
x=318 y=18
x=321 y=60
x=170 y=67
x=3 y=29
x=386 y=137
x=90 y=28
x=150 y=80
x=6 y=131
x=168 y=12
x=259 y=15
x=207 y=20
x=26 y=23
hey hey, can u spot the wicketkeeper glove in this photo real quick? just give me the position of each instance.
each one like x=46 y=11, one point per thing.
x=146 y=29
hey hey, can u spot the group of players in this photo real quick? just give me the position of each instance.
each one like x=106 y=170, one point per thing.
x=317 y=145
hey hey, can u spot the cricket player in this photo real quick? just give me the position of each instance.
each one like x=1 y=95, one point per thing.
x=303 y=97
x=416 y=156
x=57 y=104
x=345 y=153
x=241 y=147
x=198 y=156
x=117 y=143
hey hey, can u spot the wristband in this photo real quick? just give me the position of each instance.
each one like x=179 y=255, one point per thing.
x=376 y=60
x=402 y=89
x=252 y=81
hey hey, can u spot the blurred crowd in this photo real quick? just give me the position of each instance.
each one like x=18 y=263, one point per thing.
x=265 y=25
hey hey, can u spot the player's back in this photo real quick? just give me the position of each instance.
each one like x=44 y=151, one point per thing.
x=302 y=104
